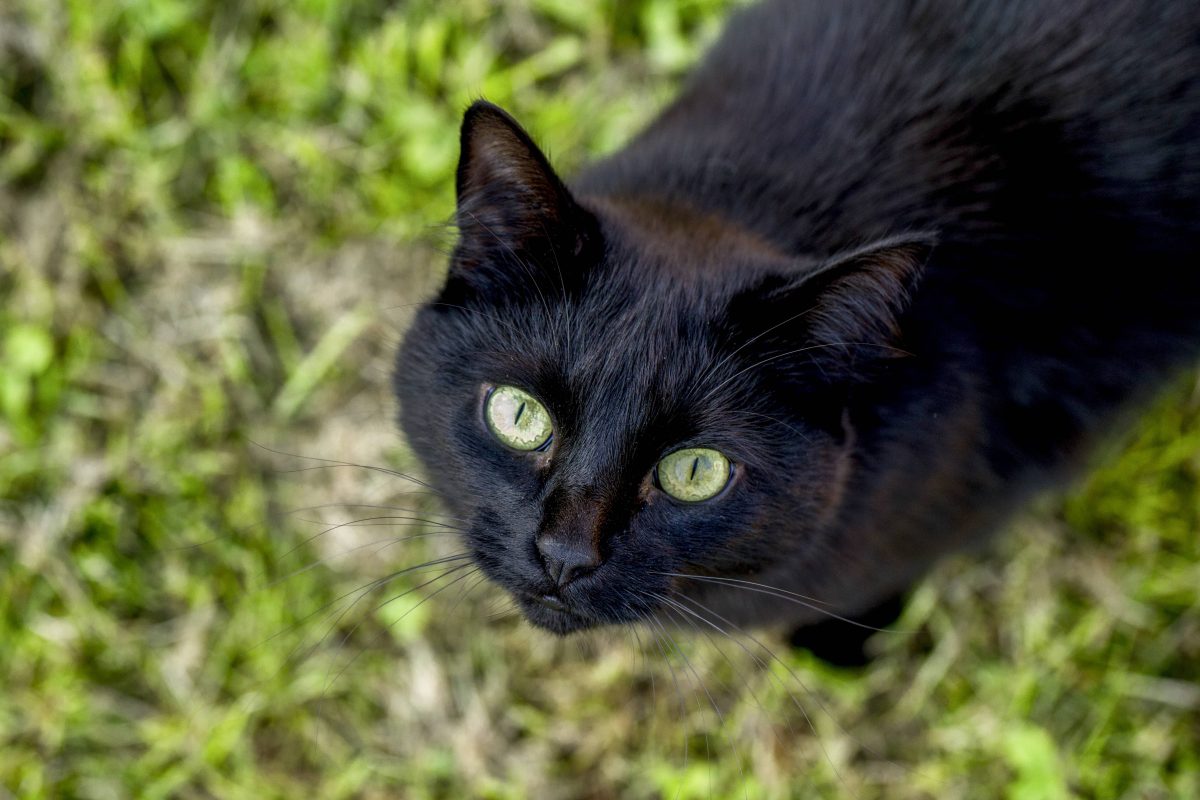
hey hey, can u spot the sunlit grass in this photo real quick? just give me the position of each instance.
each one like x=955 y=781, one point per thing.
x=214 y=221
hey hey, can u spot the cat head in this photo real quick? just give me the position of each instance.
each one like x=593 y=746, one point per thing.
x=611 y=391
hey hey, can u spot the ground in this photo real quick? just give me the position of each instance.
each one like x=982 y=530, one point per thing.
x=214 y=221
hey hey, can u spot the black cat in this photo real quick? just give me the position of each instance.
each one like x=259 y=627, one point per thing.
x=879 y=272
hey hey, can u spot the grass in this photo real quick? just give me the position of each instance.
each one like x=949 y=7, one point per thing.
x=214 y=221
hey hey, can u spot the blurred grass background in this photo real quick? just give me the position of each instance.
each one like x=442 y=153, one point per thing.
x=214 y=220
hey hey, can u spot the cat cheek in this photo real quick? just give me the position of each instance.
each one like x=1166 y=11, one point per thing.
x=542 y=461
x=838 y=473
x=834 y=483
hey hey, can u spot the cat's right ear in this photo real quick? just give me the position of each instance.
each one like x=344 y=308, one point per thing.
x=514 y=214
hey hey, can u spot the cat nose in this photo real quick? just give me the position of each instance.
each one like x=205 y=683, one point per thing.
x=567 y=559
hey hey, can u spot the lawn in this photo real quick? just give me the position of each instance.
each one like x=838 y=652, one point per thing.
x=215 y=219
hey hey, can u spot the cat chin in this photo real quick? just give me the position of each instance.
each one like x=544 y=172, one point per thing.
x=555 y=620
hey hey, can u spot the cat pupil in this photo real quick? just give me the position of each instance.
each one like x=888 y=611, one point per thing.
x=520 y=411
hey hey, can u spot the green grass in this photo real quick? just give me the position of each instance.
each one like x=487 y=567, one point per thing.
x=214 y=221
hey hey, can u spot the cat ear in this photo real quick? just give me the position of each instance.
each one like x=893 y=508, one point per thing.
x=858 y=296
x=848 y=307
x=511 y=204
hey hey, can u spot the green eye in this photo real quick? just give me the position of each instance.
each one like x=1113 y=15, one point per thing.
x=693 y=474
x=517 y=419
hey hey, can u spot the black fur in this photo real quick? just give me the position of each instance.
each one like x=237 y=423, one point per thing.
x=900 y=261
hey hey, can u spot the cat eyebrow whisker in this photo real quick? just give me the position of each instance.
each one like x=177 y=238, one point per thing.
x=778 y=421
x=524 y=335
x=521 y=262
x=752 y=340
x=797 y=351
x=566 y=304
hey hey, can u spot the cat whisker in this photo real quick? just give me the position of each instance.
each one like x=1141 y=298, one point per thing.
x=463 y=595
x=521 y=262
x=676 y=611
x=782 y=594
x=649 y=671
x=520 y=333
x=403 y=306
x=763 y=665
x=391 y=520
x=798 y=351
x=743 y=582
x=646 y=670
x=507 y=611
x=660 y=636
x=384 y=545
x=398 y=522
x=566 y=305
x=393 y=623
x=792 y=673
x=342 y=465
x=365 y=588
x=778 y=421
x=699 y=681
x=331 y=463
x=459 y=307
x=712 y=370
x=434 y=579
x=293 y=511
x=711 y=700
x=378 y=506
x=362 y=591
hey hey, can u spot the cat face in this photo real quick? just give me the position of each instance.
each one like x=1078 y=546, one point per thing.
x=610 y=392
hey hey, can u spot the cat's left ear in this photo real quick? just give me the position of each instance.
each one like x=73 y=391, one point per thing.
x=848 y=306
x=511 y=203
x=858 y=296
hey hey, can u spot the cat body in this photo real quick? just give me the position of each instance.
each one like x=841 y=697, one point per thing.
x=901 y=263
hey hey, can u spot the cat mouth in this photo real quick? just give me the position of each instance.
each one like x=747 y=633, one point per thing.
x=552 y=614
